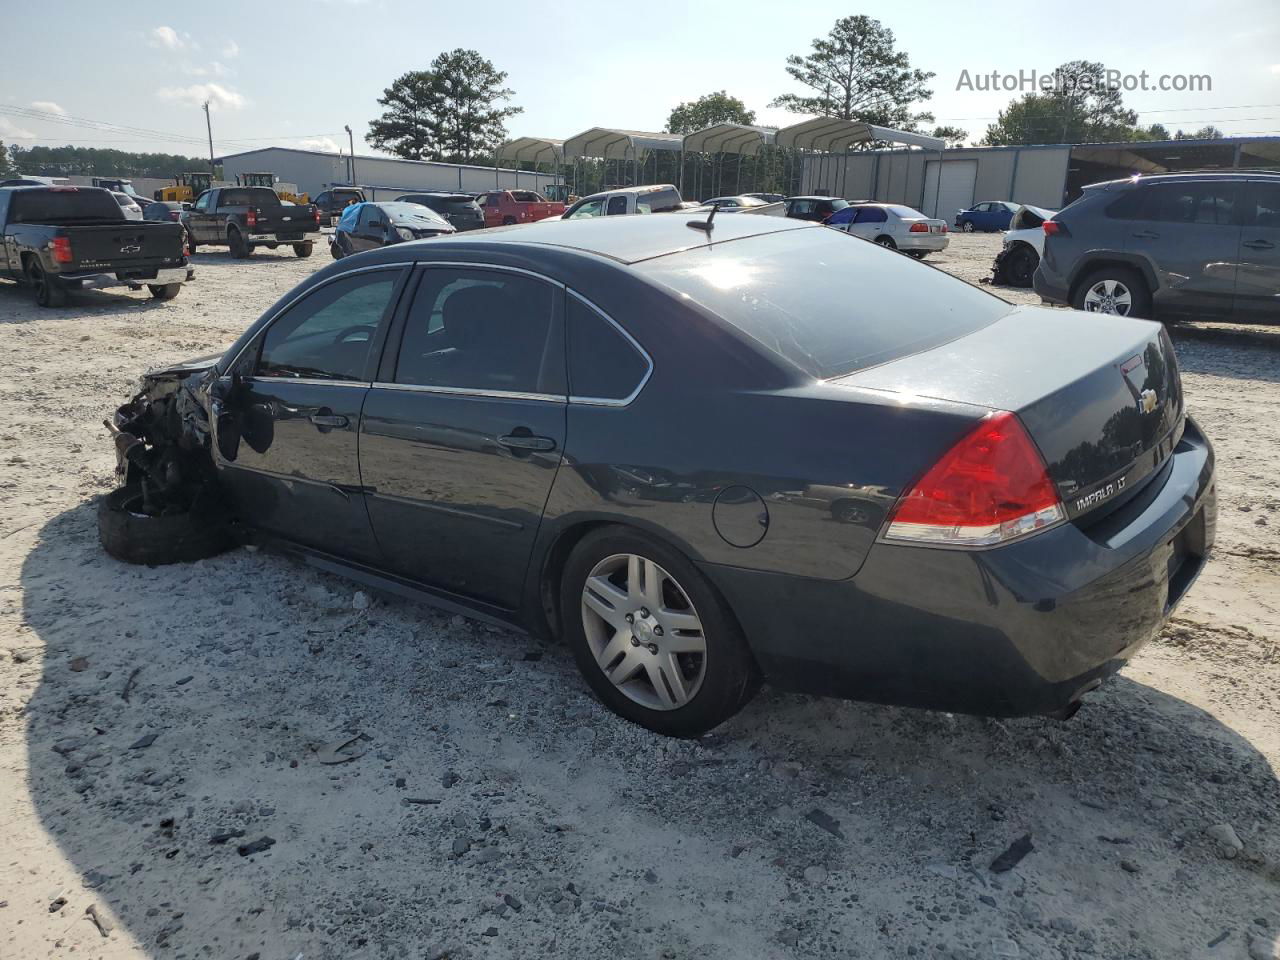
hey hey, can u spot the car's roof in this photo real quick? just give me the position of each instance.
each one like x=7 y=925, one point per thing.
x=630 y=239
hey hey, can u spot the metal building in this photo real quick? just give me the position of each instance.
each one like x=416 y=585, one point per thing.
x=938 y=183
x=314 y=171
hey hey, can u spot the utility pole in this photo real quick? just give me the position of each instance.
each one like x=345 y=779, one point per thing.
x=351 y=142
x=208 y=125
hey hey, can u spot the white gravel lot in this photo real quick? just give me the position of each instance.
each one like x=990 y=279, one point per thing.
x=492 y=809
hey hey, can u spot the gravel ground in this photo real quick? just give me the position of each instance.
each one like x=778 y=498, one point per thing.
x=239 y=758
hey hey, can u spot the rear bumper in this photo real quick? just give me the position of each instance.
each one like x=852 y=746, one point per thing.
x=1049 y=288
x=924 y=241
x=285 y=236
x=1022 y=629
x=128 y=278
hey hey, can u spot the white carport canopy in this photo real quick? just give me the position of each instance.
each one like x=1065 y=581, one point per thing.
x=602 y=143
x=831 y=135
x=730 y=138
x=532 y=150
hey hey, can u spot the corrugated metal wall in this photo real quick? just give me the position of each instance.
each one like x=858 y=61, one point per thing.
x=314 y=172
x=1035 y=175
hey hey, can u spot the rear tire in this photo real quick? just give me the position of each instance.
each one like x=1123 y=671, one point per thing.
x=885 y=240
x=918 y=254
x=164 y=291
x=49 y=292
x=702 y=642
x=508 y=221
x=134 y=537
x=239 y=248
x=192 y=246
x=303 y=249
x=1116 y=290
x=335 y=249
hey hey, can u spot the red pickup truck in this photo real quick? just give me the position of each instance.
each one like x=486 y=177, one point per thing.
x=503 y=207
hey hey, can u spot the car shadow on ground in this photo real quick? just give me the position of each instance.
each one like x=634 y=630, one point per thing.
x=115 y=300
x=182 y=713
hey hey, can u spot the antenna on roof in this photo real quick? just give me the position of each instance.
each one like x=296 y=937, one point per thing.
x=708 y=225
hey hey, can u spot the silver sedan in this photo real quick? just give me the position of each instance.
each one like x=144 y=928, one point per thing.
x=893 y=225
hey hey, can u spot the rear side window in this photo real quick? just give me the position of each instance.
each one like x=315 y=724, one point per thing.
x=1201 y=203
x=62 y=206
x=526 y=196
x=870 y=215
x=603 y=363
x=828 y=302
x=248 y=197
x=658 y=201
x=617 y=205
x=483 y=330
x=1262 y=208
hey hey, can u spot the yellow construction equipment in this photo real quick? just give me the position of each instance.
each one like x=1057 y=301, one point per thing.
x=285 y=191
x=187 y=186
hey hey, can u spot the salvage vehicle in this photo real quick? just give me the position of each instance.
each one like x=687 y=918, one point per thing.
x=1018 y=258
x=460 y=209
x=734 y=204
x=129 y=207
x=1203 y=245
x=332 y=202
x=164 y=210
x=502 y=208
x=817 y=209
x=367 y=226
x=989 y=216
x=243 y=218
x=618 y=431
x=894 y=226
x=60 y=239
x=654 y=198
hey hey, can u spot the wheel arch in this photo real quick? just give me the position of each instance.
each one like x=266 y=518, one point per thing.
x=1087 y=264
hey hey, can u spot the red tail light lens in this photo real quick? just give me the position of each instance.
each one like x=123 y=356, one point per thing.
x=251 y=218
x=1052 y=228
x=315 y=212
x=944 y=228
x=918 y=227
x=991 y=487
x=61 y=248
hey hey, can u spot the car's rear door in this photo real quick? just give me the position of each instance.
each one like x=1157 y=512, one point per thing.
x=1258 y=268
x=1190 y=234
x=462 y=433
x=287 y=432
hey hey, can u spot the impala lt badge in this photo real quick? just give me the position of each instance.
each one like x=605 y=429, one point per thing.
x=1147 y=401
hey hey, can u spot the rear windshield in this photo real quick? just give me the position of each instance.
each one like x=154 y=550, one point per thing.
x=906 y=212
x=658 y=201
x=455 y=204
x=62 y=206
x=828 y=302
x=248 y=197
x=527 y=196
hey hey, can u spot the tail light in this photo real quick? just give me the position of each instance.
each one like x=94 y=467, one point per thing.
x=944 y=227
x=918 y=227
x=1052 y=228
x=251 y=218
x=61 y=248
x=991 y=487
x=315 y=212
x=175 y=214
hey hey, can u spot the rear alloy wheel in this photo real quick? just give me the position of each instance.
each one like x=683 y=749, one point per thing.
x=651 y=636
x=1114 y=290
x=918 y=254
x=164 y=291
x=303 y=249
x=886 y=241
x=49 y=292
x=967 y=226
x=239 y=248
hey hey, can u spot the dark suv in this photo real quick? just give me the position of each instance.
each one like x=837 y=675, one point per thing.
x=1204 y=244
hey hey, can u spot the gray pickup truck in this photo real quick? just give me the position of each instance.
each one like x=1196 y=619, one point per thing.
x=246 y=217
x=58 y=239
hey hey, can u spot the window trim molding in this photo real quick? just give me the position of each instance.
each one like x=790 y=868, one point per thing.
x=648 y=373
x=470 y=392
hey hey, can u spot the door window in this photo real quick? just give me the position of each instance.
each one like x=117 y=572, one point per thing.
x=800 y=208
x=588 y=208
x=617 y=205
x=1263 y=206
x=482 y=330
x=1192 y=202
x=871 y=215
x=370 y=217
x=203 y=203
x=327 y=334
x=604 y=364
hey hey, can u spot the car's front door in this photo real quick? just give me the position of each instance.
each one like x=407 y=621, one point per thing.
x=869 y=222
x=287 y=433
x=1190 y=234
x=198 y=217
x=1258 y=269
x=463 y=432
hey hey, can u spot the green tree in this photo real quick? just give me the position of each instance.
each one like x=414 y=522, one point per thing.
x=1080 y=108
x=4 y=159
x=452 y=111
x=707 y=111
x=954 y=136
x=855 y=73
x=98 y=161
x=1209 y=132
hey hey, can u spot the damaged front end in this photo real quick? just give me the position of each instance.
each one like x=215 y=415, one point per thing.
x=162 y=439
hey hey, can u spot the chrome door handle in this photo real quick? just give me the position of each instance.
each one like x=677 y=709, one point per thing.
x=1258 y=244
x=525 y=442
x=328 y=420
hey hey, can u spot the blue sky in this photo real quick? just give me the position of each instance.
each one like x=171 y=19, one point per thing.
x=149 y=64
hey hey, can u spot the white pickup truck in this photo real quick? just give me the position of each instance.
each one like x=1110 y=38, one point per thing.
x=656 y=198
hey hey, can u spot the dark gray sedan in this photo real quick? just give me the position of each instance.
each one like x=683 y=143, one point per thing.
x=703 y=458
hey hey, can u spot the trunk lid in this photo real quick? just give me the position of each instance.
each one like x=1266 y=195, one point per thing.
x=126 y=243
x=1099 y=395
x=282 y=219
